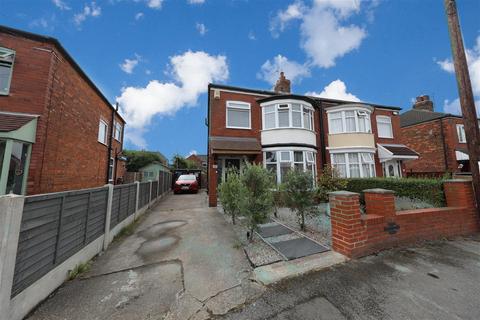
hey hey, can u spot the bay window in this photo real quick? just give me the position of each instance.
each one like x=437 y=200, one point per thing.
x=287 y=115
x=347 y=121
x=238 y=115
x=281 y=161
x=354 y=164
x=384 y=126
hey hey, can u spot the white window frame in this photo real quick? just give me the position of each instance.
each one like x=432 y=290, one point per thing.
x=289 y=106
x=341 y=114
x=385 y=120
x=111 y=165
x=291 y=161
x=360 y=163
x=240 y=105
x=117 y=128
x=105 y=136
x=5 y=54
x=461 y=133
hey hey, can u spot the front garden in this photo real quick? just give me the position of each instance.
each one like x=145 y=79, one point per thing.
x=251 y=198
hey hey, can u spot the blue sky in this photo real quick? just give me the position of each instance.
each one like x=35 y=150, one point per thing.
x=156 y=57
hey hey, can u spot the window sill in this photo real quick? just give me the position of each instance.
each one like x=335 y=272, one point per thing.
x=358 y=132
x=287 y=128
x=239 y=128
x=103 y=144
x=385 y=137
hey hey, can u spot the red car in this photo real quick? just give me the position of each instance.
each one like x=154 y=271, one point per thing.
x=186 y=183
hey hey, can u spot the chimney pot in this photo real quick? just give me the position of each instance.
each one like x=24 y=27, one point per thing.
x=282 y=85
x=424 y=103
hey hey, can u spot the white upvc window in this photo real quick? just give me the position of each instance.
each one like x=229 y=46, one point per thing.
x=102 y=132
x=384 y=127
x=7 y=58
x=117 y=131
x=111 y=169
x=349 y=121
x=287 y=115
x=238 y=115
x=354 y=164
x=461 y=133
x=281 y=161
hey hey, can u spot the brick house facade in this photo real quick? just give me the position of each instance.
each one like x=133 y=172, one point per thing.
x=69 y=114
x=284 y=130
x=439 y=136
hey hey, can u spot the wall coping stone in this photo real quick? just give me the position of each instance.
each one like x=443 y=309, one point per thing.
x=343 y=193
x=379 y=190
x=457 y=181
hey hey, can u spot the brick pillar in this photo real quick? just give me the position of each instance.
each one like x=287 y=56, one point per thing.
x=380 y=202
x=212 y=181
x=459 y=193
x=347 y=230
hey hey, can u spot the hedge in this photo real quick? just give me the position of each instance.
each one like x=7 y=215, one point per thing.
x=427 y=190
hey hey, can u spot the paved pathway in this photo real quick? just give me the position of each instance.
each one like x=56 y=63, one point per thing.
x=182 y=262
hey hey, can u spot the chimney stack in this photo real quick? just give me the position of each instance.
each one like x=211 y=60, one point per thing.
x=423 y=103
x=282 y=85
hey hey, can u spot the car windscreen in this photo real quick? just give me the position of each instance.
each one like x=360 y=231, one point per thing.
x=186 y=177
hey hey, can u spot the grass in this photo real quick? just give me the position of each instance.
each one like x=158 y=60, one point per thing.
x=78 y=270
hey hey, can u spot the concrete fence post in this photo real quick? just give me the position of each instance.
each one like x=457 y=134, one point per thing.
x=137 y=202
x=108 y=216
x=11 y=210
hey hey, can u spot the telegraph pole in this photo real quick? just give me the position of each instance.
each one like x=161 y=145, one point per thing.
x=467 y=103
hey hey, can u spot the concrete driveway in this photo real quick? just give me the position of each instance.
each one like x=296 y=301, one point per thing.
x=437 y=280
x=182 y=262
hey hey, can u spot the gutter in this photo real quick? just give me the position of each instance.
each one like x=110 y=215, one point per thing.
x=322 y=136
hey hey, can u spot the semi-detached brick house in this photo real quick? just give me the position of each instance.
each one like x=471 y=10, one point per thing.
x=440 y=138
x=284 y=131
x=57 y=130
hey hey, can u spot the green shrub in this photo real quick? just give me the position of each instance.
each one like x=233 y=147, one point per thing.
x=258 y=200
x=231 y=193
x=427 y=190
x=299 y=194
x=329 y=181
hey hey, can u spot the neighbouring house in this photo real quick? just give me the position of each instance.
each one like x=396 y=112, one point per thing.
x=199 y=159
x=57 y=130
x=151 y=171
x=439 y=136
x=285 y=131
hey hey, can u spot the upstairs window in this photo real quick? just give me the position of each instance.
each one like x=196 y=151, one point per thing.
x=102 y=132
x=287 y=115
x=384 y=126
x=348 y=121
x=7 y=57
x=238 y=115
x=461 y=133
x=117 y=131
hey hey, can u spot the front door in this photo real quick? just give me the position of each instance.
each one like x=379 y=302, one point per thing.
x=392 y=169
x=231 y=163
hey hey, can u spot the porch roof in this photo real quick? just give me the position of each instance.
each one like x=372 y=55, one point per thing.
x=235 y=145
x=11 y=122
x=395 y=151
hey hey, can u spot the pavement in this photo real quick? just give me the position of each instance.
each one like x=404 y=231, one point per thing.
x=434 y=280
x=183 y=261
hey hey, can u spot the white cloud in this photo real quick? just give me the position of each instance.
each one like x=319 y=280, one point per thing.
x=193 y=152
x=294 y=71
x=41 y=22
x=61 y=4
x=335 y=90
x=91 y=10
x=191 y=71
x=473 y=60
x=154 y=4
x=139 y=16
x=129 y=65
x=201 y=28
x=324 y=34
x=196 y=1
x=252 y=36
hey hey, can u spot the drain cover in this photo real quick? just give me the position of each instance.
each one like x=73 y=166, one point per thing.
x=273 y=230
x=297 y=248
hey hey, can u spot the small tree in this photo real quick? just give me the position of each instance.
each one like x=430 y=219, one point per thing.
x=329 y=181
x=258 y=200
x=231 y=193
x=299 y=194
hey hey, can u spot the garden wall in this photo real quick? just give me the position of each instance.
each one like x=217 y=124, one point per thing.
x=356 y=235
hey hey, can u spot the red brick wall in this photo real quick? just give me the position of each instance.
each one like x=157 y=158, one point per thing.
x=66 y=154
x=356 y=235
